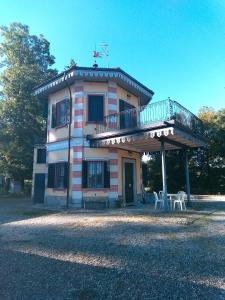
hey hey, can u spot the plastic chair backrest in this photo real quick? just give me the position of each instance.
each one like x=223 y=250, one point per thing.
x=156 y=196
x=181 y=195
x=161 y=194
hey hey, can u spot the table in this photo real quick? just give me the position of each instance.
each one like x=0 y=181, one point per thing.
x=172 y=197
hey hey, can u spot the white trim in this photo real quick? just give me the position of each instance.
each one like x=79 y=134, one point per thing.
x=112 y=107
x=77 y=154
x=76 y=180
x=113 y=181
x=112 y=95
x=78 y=118
x=114 y=168
x=76 y=167
x=113 y=195
x=78 y=106
x=76 y=197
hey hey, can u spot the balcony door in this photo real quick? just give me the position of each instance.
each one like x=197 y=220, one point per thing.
x=128 y=119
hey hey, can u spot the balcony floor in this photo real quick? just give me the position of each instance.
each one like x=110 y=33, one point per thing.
x=148 y=138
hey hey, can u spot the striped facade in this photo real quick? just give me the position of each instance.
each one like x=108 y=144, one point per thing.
x=57 y=147
x=113 y=192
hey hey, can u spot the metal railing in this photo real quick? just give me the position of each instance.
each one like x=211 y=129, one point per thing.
x=139 y=117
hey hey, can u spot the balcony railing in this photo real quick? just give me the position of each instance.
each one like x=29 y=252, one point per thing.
x=143 y=116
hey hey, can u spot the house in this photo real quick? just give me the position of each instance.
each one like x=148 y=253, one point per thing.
x=112 y=122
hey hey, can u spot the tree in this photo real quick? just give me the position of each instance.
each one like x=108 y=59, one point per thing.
x=25 y=62
x=207 y=165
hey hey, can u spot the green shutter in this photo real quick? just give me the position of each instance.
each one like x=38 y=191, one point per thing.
x=51 y=175
x=84 y=174
x=65 y=174
x=106 y=175
x=53 y=125
x=68 y=110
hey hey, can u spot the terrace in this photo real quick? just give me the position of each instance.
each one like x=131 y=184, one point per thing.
x=143 y=127
x=161 y=126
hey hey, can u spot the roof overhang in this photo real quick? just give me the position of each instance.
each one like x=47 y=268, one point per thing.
x=150 y=140
x=116 y=75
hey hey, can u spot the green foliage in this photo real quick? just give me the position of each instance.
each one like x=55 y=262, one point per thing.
x=207 y=166
x=25 y=62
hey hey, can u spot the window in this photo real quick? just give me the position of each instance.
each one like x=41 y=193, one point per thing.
x=95 y=108
x=60 y=113
x=96 y=174
x=41 y=156
x=57 y=175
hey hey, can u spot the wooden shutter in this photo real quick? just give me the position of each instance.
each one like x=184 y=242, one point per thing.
x=95 y=108
x=65 y=165
x=51 y=175
x=106 y=175
x=84 y=173
x=68 y=110
x=53 y=125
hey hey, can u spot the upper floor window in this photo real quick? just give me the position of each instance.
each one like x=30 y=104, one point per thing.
x=60 y=113
x=95 y=108
x=41 y=156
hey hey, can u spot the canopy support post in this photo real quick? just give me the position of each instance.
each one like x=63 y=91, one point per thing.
x=164 y=180
x=187 y=178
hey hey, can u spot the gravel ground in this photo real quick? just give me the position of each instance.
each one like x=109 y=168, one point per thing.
x=113 y=254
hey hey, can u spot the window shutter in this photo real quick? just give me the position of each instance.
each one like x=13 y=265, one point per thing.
x=53 y=116
x=68 y=110
x=51 y=175
x=95 y=108
x=84 y=174
x=106 y=175
x=65 y=174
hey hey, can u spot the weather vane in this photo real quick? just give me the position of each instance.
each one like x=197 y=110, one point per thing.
x=102 y=53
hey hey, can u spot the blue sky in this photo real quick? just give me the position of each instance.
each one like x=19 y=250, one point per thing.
x=175 y=47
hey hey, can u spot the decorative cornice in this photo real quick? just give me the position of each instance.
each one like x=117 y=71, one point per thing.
x=92 y=73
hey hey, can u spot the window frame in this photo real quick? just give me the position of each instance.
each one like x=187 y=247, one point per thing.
x=56 y=165
x=57 y=113
x=103 y=107
x=38 y=156
x=105 y=174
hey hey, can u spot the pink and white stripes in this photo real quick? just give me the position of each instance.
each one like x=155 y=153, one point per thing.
x=78 y=111
x=112 y=98
x=77 y=176
x=113 y=192
x=78 y=124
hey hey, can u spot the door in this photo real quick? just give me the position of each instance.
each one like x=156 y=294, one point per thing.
x=129 y=181
x=39 y=188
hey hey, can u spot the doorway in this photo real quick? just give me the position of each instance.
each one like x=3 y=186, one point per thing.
x=129 y=181
x=39 y=188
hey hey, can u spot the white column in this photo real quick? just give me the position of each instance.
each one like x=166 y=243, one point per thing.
x=163 y=158
x=187 y=177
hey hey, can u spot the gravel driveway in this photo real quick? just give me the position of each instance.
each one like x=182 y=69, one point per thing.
x=113 y=254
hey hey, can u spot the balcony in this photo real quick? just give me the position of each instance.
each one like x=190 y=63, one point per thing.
x=165 y=118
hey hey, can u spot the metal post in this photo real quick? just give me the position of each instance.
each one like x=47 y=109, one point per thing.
x=163 y=158
x=187 y=178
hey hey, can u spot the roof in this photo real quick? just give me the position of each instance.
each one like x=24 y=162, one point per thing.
x=117 y=75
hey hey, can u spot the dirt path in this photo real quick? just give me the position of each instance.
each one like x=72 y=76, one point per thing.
x=117 y=254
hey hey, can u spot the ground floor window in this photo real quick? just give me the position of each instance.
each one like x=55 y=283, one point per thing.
x=57 y=175
x=95 y=174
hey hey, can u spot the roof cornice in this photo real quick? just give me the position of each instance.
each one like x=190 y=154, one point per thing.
x=100 y=74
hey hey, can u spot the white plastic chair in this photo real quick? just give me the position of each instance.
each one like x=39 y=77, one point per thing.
x=180 y=201
x=158 y=201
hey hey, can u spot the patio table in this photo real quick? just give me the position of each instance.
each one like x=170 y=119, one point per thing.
x=172 y=197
